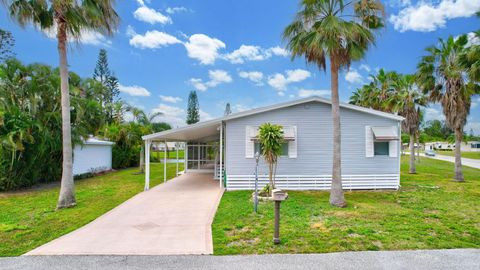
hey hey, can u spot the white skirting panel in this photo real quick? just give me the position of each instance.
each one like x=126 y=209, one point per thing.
x=316 y=182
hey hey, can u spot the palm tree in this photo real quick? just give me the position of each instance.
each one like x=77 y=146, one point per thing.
x=69 y=19
x=342 y=32
x=271 y=138
x=444 y=78
x=406 y=101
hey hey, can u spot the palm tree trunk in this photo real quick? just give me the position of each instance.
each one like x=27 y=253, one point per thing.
x=141 y=165
x=412 y=154
x=67 y=189
x=417 y=136
x=336 y=193
x=458 y=155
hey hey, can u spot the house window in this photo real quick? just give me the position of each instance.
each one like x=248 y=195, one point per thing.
x=258 y=148
x=381 y=148
x=475 y=145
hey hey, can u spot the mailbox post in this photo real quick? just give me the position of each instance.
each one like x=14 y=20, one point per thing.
x=278 y=197
x=255 y=199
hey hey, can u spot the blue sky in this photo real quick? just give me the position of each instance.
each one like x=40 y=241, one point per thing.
x=231 y=51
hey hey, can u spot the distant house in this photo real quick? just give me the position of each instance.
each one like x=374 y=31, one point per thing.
x=226 y=146
x=473 y=146
x=439 y=146
x=92 y=156
x=171 y=146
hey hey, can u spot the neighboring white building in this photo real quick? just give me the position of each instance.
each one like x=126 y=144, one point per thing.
x=439 y=146
x=472 y=146
x=93 y=155
x=172 y=146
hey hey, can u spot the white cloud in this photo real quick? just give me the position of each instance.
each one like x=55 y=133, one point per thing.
x=173 y=10
x=150 y=15
x=365 y=67
x=173 y=115
x=216 y=77
x=130 y=32
x=152 y=40
x=472 y=125
x=352 y=76
x=134 y=90
x=473 y=39
x=204 y=116
x=254 y=76
x=303 y=93
x=279 y=51
x=204 y=48
x=475 y=102
x=427 y=16
x=245 y=53
x=280 y=81
x=253 y=53
x=170 y=99
x=240 y=108
x=432 y=113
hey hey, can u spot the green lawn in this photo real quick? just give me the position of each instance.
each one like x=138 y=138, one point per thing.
x=28 y=219
x=473 y=155
x=170 y=154
x=429 y=211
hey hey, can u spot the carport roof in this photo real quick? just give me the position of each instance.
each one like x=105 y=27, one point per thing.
x=209 y=130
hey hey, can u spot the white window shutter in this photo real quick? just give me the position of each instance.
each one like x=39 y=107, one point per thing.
x=369 y=151
x=393 y=148
x=249 y=144
x=292 y=145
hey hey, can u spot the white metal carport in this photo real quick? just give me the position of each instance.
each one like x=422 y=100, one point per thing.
x=202 y=136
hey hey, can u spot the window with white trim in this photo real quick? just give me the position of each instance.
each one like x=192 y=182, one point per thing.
x=258 y=148
x=289 y=147
x=381 y=141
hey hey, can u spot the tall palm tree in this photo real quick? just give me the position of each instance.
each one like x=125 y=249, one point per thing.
x=442 y=75
x=406 y=101
x=69 y=19
x=342 y=32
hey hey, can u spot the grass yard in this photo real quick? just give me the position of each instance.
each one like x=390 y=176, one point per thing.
x=171 y=154
x=429 y=211
x=29 y=219
x=472 y=155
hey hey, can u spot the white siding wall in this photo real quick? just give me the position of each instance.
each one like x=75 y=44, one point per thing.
x=312 y=167
x=91 y=157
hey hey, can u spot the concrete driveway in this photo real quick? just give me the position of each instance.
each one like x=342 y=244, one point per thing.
x=171 y=218
x=474 y=163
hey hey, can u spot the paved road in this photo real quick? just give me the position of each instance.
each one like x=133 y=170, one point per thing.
x=474 y=163
x=171 y=218
x=464 y=259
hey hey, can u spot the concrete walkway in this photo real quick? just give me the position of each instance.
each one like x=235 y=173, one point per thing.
x=474 y=163
x=464 y=259
x=171 y=218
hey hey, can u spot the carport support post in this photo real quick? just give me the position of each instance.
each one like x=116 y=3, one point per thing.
x=165 y=163
x=176 y=148
x=221 y=155
x=147 y=164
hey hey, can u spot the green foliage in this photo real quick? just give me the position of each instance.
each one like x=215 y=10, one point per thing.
x=271 y=140
x=6 y=44
x=193 y=110
x=30 y=126
x=128 y=142
x=160 y=126
x=109 y=92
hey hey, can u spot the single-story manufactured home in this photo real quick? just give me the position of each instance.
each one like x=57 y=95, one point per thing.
x=226 y=147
